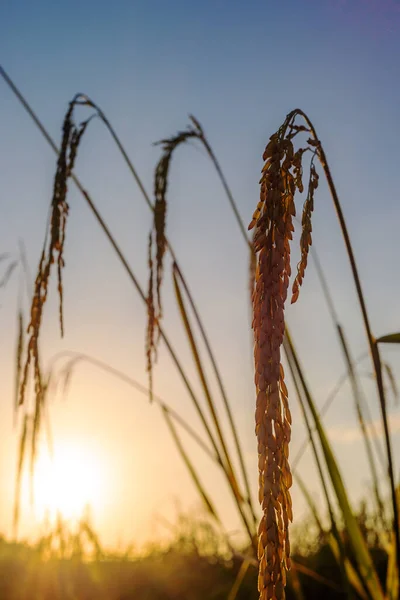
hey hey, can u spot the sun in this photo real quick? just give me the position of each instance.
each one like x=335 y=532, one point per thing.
x=67 y=482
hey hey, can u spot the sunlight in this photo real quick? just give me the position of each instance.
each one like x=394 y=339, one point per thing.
x=67 y=482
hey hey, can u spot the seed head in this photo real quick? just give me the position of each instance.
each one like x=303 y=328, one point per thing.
x=272 y=220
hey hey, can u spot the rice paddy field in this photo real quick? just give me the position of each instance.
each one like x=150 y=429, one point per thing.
x=200 y=346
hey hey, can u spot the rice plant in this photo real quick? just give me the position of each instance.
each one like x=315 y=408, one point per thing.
x=273 y=224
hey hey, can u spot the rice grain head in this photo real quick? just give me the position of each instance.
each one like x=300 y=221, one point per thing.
x=272 y=220
x=158 y=243
x=52 y=253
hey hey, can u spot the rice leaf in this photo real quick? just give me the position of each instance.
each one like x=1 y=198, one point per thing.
x=393 y=338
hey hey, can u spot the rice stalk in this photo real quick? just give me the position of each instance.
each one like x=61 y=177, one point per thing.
x=273 y=220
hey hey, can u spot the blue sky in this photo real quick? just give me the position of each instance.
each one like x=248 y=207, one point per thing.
x=239 y=68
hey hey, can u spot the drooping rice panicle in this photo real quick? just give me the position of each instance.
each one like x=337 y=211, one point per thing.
x=158 y=243
x=272 y=220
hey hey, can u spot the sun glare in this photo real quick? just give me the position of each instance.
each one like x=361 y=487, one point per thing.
x=66 y=483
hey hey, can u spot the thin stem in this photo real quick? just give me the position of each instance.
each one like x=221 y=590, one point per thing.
x=360 y=416
x=89 y=102
x=292 y=366
x=355 y=536
x=222 y=390
x=80 y=356
x=227 y=189
x=289 y=356
x=331 y=397
x=357 y=392
x=371 y=339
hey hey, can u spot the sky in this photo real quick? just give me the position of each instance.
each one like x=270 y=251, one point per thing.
x=239 y=67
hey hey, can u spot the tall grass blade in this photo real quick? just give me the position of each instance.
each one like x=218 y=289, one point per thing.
x=351 y=573
x=316 y=576
x=334 y=527
x=239 y=579
x=78 y=357
x=200 y=488
x=361 y=553
x=294 y=581
x=20 y=464
x=221 y=386
x=7 y=275
x=392 y=382
x=230 y=473
x=363 y=427
x=18 y=362
x=353 y=376
x=392 y=576
x=206 y=389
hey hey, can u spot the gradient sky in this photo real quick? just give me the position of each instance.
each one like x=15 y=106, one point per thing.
x=239 y=67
